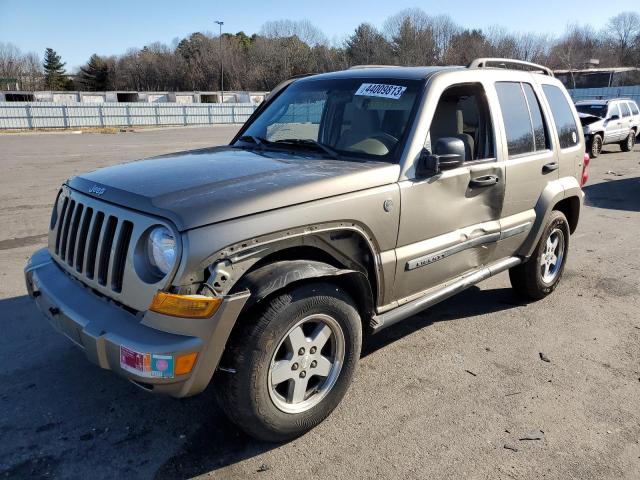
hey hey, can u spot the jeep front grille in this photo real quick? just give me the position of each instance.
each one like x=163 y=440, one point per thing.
x=96 y=242
x=90 y=245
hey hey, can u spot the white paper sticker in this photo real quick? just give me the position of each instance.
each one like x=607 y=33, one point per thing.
x=380 y=90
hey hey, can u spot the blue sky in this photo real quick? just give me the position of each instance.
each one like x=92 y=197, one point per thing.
x=76 y=29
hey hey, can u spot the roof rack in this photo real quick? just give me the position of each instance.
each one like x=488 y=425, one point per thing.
x=358 y=67
x=509 y=63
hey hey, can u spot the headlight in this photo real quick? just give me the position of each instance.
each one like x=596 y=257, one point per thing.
x=161 y=250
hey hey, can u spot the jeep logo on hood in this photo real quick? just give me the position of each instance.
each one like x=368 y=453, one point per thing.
x=97 y=190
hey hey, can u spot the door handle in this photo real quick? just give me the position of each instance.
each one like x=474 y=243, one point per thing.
x=485 y=181
x=550 y=167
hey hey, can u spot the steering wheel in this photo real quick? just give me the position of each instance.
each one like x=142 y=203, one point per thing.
x=389 y=140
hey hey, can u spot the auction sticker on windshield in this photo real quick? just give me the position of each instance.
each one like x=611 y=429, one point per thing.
x=380 y=90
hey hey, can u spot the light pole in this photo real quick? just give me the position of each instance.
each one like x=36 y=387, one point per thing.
x=221 y=63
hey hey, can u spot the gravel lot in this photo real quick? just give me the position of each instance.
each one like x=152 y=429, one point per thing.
x=459 y=391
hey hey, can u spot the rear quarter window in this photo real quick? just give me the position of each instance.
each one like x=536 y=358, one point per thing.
x=562 y=116
x=634 y=108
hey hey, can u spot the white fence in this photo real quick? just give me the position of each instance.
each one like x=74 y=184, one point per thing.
x=29 y=115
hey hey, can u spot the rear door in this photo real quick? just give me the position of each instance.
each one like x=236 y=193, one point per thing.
x=567 y=136
x=532 y=161
x=627 y=121
x=635 y=115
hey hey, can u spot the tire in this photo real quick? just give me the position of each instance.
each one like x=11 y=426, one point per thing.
x=539 y=276
x=268 y=349
x=595 y=146
x=628 y=143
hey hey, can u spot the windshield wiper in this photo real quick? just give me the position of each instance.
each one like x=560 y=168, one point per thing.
x=261 y=142
x=312 y=143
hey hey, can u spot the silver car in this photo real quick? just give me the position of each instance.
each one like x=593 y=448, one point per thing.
x=350 y=201
x=609 y=121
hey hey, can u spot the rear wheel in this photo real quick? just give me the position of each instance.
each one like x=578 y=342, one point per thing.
x=293 y=364
x=539 y=276
x=628 y=144
x=595 y=146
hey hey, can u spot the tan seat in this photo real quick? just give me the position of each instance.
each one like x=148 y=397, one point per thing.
x=360 y=136
x=448 y=121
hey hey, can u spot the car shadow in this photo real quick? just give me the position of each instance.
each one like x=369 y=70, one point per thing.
x=471 y=302
x=96 y=415
x=623 y=194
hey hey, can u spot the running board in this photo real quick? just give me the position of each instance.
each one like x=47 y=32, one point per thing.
x=378 y=322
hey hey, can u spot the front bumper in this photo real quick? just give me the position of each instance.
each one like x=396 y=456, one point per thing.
x=100 y=328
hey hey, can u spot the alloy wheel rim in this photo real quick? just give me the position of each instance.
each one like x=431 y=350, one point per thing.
x=306 y=363
x=597 y=147
x=631 y=141
x=553 y=256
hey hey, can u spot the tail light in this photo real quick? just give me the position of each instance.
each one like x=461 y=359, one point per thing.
x=585 y=170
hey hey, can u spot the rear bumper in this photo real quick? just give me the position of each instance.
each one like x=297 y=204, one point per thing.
x=100 y=328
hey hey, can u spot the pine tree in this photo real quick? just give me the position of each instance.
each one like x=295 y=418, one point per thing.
x=367 y=46
x=94 y=76
x=54 y=72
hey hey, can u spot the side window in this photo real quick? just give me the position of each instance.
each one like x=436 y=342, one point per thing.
x=634 y=108
x=539 y=128
x=463 y=112
x=515 y=114
x=613 y=110
x=625 y=110
x=562 y=116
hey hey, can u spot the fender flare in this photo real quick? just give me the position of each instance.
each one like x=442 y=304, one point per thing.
x=554 y=193
x=272 y=277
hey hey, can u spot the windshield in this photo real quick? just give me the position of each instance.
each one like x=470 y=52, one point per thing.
x=365 y=118
x=598 y=110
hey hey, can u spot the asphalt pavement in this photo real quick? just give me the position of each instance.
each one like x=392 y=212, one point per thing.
x=482 y=386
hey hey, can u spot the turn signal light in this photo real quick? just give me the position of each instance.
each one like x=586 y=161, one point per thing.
x=184 y=363
x=185 y=306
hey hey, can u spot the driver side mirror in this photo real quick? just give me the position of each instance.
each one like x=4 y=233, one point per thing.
x=449 y=153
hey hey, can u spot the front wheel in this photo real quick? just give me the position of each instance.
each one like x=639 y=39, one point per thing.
x=539 y=276
x=627 y=144
x=595 y=146
x=293 y=363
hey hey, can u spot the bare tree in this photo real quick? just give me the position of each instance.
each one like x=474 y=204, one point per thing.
x=623 y=31
x=284 y=48
x=24 y=70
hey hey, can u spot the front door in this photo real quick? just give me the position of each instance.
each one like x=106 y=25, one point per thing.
x=450 y=222
x=613 y=124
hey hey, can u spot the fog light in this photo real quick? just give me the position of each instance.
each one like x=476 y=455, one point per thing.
x=185 y=363
x=184 y=306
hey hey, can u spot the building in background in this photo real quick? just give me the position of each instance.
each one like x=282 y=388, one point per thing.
x=602 y=83
x=70 y=97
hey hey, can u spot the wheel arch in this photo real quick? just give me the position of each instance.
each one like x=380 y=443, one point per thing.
x=272 y=278
x=570 y=206
x=565 y=195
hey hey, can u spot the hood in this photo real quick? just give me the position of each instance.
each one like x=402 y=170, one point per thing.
x=588 y=119
x=206 y=186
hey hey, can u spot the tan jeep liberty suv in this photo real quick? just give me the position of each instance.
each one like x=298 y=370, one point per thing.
x=349 y=201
